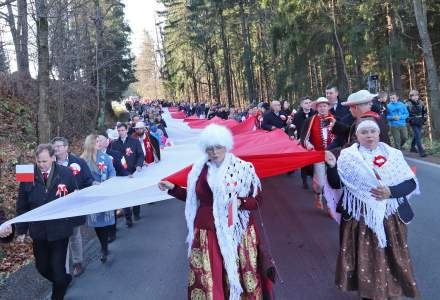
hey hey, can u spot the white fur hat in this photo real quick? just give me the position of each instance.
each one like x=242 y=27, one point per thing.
x=216 y=135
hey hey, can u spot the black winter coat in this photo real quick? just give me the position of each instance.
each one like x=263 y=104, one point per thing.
x=341 y=111
x=116 y=158
x=271 y=119
x=33 y=195
x=133 y=159
x=299 y=118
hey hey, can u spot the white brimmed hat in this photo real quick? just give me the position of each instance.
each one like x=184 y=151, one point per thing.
x=319 y=101
x=362 y=96
x=139 y=125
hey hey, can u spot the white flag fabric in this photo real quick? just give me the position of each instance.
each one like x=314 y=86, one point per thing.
x=120 y=192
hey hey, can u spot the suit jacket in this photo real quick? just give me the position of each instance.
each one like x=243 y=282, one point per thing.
x=341 y=111
x=82 y=180
x=271 y=119
x=299 y=119
x=33 y=195
x=133 y=159
x=117 y=164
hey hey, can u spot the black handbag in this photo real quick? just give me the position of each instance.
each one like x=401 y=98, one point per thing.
x=405 y=212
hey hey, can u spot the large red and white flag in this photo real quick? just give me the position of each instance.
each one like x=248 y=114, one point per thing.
x=24 y=173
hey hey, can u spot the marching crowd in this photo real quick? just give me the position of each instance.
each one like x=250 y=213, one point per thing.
x=327 y=124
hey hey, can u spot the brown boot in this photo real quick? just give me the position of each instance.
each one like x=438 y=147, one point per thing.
x=318 y=201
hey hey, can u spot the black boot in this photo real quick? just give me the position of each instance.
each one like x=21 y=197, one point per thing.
x=414 y=150
x=104 y=254
x=111 y=237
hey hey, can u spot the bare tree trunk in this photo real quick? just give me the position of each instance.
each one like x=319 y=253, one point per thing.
x=226 y=62
x=19 y=34
x=213 y=71
x=194 y=80
x=247 y=54
x=431 y=67
x=43 y=71
x=396 y=73
x=341 y=71
x=100 y=77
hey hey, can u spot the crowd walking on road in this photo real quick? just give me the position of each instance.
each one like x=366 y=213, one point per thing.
x=363 y=183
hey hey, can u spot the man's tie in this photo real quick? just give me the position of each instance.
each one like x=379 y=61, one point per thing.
x=45 y=176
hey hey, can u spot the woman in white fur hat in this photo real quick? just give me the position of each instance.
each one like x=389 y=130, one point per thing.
x=221 y=191
x=375 y=182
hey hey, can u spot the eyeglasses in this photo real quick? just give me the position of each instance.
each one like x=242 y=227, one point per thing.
x=214 y=148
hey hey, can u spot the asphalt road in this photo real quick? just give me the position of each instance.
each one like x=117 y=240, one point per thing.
x=149 y=261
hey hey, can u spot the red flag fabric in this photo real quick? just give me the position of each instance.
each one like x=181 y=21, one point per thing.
x=178 y=115
x=272 y=153
x=246 y=126
x=216 y=120
x=191 y=118
x=173 y=109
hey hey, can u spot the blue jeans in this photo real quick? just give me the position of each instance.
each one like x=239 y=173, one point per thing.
x=417 y=138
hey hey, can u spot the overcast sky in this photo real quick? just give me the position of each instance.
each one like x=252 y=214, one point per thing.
x=141 y=14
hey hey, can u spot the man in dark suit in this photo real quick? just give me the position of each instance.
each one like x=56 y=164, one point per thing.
x=132 y=153
x=50 y=238
x=302 y=114
x=305 y=112
x=338 y=110
x=83 y=178
x=273 y=119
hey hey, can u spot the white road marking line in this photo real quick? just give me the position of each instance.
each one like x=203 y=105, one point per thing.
x=422 y=162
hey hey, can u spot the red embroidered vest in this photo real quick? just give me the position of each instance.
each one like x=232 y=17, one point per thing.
x=317 y=138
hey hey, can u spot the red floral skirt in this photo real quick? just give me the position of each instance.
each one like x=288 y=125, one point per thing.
x=207 y=276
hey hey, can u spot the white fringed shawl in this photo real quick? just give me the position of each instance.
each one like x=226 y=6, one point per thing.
x=233 y=178
x=358 y=179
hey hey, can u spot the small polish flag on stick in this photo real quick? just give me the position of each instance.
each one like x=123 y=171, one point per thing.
x=124 y=163
x=24 y=173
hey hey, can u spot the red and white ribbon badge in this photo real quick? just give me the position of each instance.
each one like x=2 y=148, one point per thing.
x=101 y=167
x=62 y=190
x=379 y=161
x=128 y=151
x=75 y=168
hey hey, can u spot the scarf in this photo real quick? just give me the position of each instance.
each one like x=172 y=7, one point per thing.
x=232 y=179
x=359 y=176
